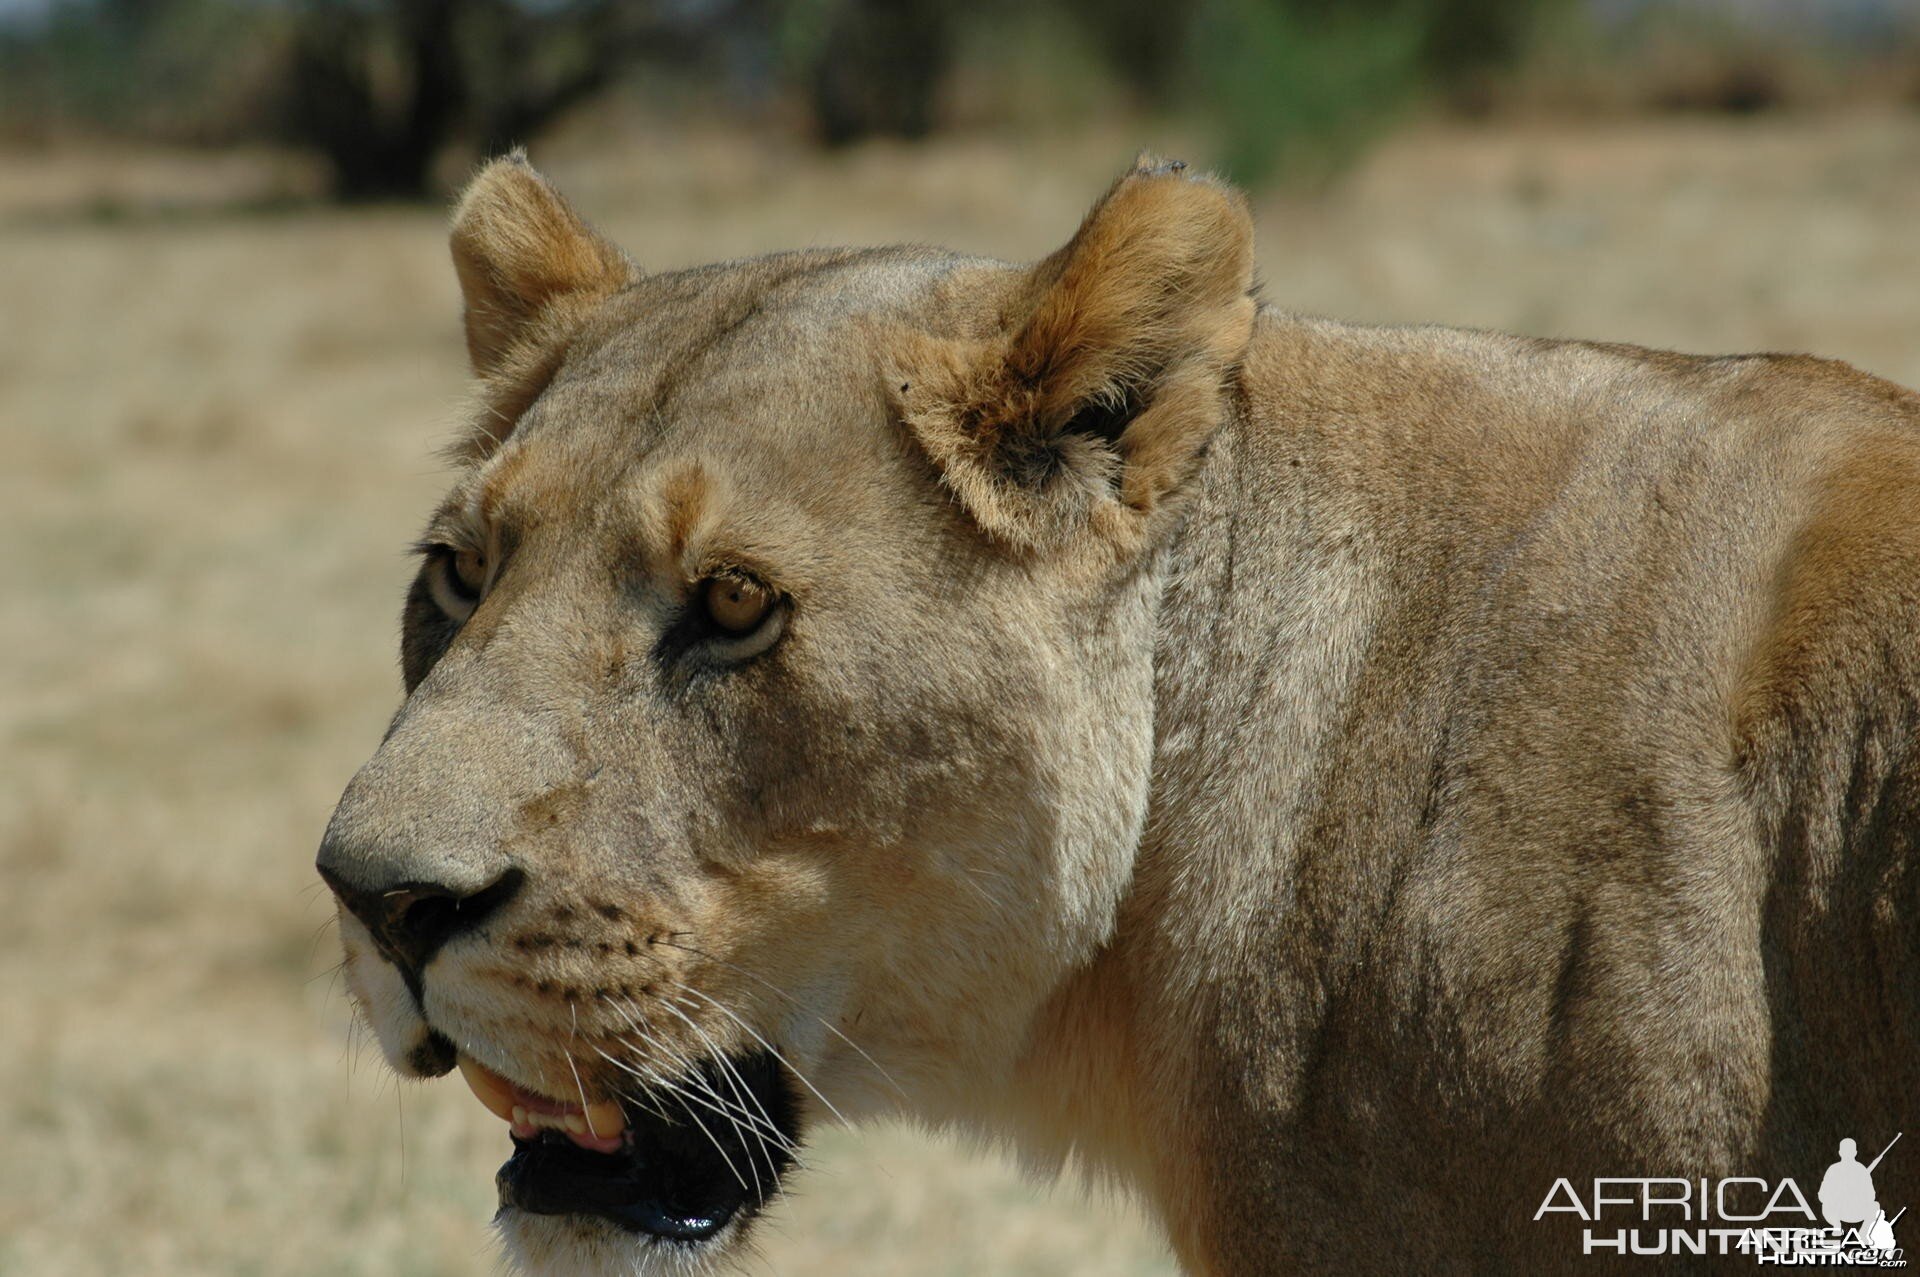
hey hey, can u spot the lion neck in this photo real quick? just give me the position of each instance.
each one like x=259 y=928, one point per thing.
x=1267 y=591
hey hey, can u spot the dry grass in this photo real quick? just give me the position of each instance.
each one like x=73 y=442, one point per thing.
x=220 y=432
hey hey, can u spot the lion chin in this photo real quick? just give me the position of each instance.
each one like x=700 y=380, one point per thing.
x=592 y=1247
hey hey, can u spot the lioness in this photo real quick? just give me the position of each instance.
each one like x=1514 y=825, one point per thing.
x=1339 y=782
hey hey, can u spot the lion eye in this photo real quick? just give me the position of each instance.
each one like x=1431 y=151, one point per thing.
x=469 y=573
x=456 y=580
x=736 y=604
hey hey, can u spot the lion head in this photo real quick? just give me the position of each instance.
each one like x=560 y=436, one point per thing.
x=779 y=690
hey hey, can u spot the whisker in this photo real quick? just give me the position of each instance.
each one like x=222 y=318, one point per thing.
x=692 y=1072
x=795 y=1069
x=654 y=1045
x=742 y=1092
x=705 y=1093
x=704 y=1130
x=575 y=1069
x=718 y=1148
x=656 y=1085
x=313 y=942
x=753 y=1163
x=782 y=993
x=644 y=1100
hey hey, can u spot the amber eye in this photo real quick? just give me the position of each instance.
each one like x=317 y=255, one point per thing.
x=736 y=604
x=469 y=573
x=456 y=580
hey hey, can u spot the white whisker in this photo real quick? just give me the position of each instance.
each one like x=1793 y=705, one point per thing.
x=791 y=1066
x=575 y=1068
x=706 y=1094
x=654 y=1046
x=738 y=1084
x=654 y=1082
x=777 y=991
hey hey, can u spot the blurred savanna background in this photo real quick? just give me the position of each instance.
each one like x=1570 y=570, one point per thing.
x=230 y=351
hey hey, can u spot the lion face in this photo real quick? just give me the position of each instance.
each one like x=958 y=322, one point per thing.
x=779 y=713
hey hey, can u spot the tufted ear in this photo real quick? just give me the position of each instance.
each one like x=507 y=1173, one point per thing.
x=526 y=261
x=1091 y=407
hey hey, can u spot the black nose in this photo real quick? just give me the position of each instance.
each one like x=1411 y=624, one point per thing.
x=411 y=920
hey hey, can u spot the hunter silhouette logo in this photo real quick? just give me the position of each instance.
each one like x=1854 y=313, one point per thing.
x=1741 y=1215
x=1849 y=1204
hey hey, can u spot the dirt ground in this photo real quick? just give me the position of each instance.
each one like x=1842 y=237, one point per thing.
x=220 y=431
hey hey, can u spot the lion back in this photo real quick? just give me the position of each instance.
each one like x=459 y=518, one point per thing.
x=1827 y=738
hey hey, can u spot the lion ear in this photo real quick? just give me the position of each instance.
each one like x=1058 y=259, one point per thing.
x=522 y=255
x=1091 y=408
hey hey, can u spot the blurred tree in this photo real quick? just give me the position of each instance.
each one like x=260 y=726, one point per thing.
x=869 y=68
x=1461 y=37
x=1295 y=88
x=1298 y=86
x=135 y=67
x=1145 y=40
x=383 y=87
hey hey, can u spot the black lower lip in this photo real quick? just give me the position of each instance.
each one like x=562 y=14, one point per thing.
x=684 y=1172
x=550 y=1176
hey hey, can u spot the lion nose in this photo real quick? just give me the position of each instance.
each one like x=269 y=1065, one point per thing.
x=411 y=920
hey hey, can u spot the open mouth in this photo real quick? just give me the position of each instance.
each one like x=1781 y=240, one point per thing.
x=677 y=1163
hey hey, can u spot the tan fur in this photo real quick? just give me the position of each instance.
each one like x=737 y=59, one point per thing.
x=530 y=270
x=1151 y=298
x=1333 y=780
